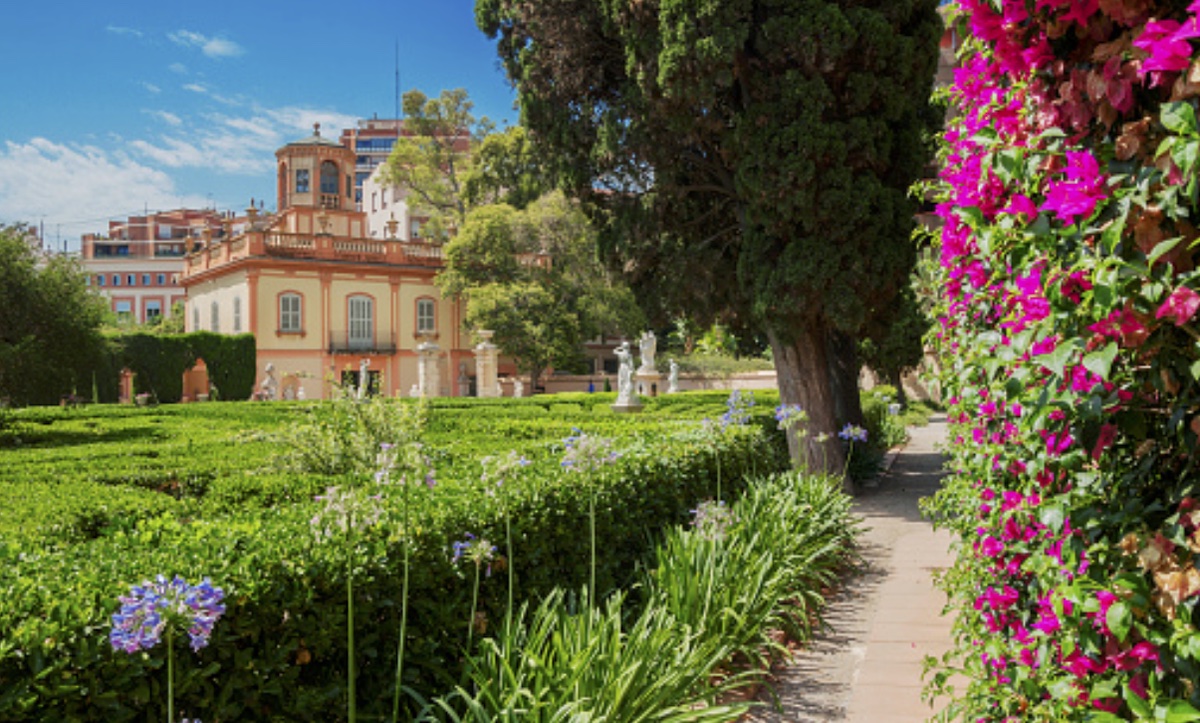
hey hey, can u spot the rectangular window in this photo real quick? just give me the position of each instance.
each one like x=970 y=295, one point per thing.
x=362 y=329
x=145 y=279
x=414 y=229
x=195 y=318
x=131 y=280
x=302 y=180
x=153 y=310
x=289 y=313
x=214 y=322
x=161 y=279
x=116 y=279
x=124 y=310
x=100 y=279
x=426 y=323
x=237 y=315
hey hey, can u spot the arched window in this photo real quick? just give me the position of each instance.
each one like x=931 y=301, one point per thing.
x=329 y=178
x=237 y=315
x=426 y=316
x=290 y=318
x=361 y=311
x=214 y=324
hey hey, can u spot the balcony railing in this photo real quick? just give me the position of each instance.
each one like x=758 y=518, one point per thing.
x=309 y=246
x=341 y=342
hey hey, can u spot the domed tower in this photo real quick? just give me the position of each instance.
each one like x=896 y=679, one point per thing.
x=315 y=187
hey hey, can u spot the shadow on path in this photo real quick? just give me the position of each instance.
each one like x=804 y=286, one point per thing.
x=865 y=665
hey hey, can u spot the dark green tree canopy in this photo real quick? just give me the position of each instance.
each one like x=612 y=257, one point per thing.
x=749 y=159
x=49 y=324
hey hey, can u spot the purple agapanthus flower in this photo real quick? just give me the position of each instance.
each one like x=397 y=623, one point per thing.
x=585 y=453
x=149 y=608
x=737 y=408
x=853 y=433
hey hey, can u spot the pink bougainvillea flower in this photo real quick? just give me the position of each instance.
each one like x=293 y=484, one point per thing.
x=1021 y=205
x=1180 y=306
x=1108 y=434
x=1077 y=195
x=1166 y=51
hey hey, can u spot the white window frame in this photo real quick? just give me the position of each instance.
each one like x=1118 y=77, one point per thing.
x=237 y=315
x=426 y=316
x=291 y=320
x=360 y=312
x=214 y=323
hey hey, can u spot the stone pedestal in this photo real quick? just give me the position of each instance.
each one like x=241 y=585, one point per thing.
x=649 y=382
x=623 y=407
x=428 y=378
x=486 y=384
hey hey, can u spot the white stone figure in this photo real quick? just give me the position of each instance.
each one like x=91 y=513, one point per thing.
x=673 y=378
x=363 y=375
x=269 y=387
x=647 y=345
x=415 y=391
x=624 y=374
x=499 y=389
x=300 y=393
x=518 y=388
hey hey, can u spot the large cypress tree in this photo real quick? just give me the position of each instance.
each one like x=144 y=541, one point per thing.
x=750 y=158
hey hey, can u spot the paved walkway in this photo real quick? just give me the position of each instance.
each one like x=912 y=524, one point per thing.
x=866 y=667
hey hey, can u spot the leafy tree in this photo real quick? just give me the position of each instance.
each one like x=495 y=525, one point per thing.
x=534 y=278
x=49 y=324
x=505 y=168
x=897 y=346
x=749 y=158
x=432 y=159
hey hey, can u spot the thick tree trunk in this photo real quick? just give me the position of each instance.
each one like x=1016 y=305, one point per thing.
x=844 y=367
x=802 y=367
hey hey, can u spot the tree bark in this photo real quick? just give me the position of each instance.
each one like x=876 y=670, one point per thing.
x=802 y=367
x=844 y=368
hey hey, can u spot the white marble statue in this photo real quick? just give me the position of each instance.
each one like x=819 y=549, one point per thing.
x=268 y=388
x=647 y=345
x=414 y=391
x=624 y=374
x=499 y=389
x=363 y=375
x=673 y=378
x=518 y=388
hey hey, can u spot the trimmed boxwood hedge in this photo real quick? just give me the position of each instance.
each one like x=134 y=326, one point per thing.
x=279 y=652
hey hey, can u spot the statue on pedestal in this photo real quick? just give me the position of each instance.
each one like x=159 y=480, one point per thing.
x=518 y=388
x=363 y=375
x=624 y=374
x=673 y=378
x=647 y=346
x=268 y=388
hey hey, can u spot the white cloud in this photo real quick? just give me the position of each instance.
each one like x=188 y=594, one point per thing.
x=118 y=30
x=151 y=87
x=178 y=68
x=212 y=47
x=165 y=116
x=195 y=88
x=239 y=144
x=67 y=184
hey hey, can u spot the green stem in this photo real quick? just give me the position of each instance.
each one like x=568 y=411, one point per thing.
x=403 y=618
x=592 y=527
x=512 y=572
x=474 y=603
x=717 y=453
x=350 y=628
x=170 y=675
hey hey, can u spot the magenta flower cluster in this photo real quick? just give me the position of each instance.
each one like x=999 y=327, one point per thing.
x=1043 y=347
x=150 y=608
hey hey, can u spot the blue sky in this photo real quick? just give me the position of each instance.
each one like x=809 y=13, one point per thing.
x=107 y=108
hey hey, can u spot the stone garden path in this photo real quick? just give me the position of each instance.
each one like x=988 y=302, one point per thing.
x=886 y=617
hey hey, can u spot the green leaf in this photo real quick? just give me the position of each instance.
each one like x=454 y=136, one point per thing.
x=1057 y=359
x=1179 y=117
x=1163 y=247
x=1180 y=711
x=1195 y=369
x=1136 y=703
x=1100 y=362
x=1119 y=618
